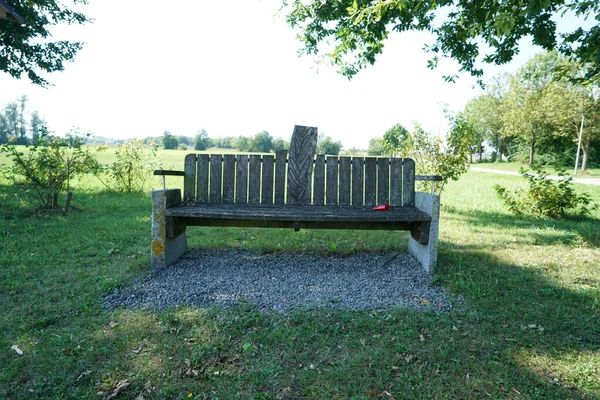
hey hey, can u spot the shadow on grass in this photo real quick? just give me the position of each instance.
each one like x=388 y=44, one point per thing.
x=545 y=232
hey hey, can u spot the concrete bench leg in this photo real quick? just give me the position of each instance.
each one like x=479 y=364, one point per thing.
x=166 y=248
x=427 y=253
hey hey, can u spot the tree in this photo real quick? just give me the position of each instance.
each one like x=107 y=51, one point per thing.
x=280 y=144
x=262 y=142
x=483 y=116
x=396 y=138
x=376 y=147
x=201 y=141
x=326 y=145
x=242 y=143
x=170 y=142
x=352 y=33
x=26 y=48
x=537 y=107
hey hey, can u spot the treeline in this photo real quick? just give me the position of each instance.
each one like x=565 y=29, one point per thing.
x=261 y=142
x=536 y=114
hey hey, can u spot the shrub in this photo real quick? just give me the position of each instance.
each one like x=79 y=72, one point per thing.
x=47 y=168
x=431 y=155
x=545 y=197
x=133 y=168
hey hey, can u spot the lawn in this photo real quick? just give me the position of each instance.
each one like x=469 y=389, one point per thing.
x=527 y=327
x=516 y=166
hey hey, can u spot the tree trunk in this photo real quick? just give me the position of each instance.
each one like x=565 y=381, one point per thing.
x=532 y=150
x=586 y=152
x=68 y=203
x=480 y=152
x=471 y=156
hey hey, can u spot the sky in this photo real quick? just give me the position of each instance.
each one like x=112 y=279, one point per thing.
x=232 y=68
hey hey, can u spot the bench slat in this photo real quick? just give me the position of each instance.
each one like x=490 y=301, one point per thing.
x=383 y=181
x=319 y=181
x=254 y=181
x=216 y=174
x=396 y=182
x=358 y=175
x=228 y=178
x=358 y=214
x=202 y=178
x=280 y=164
x=408 y=182
x=268 y=162
x=189 y=178
x=344 y=185
x=241 y=179
x=332 y=181
x=370 y=181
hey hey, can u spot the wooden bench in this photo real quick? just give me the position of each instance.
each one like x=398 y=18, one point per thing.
x=295 y=191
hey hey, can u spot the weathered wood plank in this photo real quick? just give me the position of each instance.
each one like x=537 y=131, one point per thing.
x=370 y=181
x=358 y=214
x=254 y=181
x=383 y=181
x=216 y=162
x=396 y=182
x=319 y=181
x=344 y=183
x=202 y=178
x=358 y=175
x=241 y=179
x=228 y=178
x=332 y=181
x=300 y=163
x=408 y=182
x=189 y=178
x=280 y=167
x=268 y=162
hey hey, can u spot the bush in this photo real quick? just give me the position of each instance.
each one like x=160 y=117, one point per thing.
x=133 y=168
x=431 y=155
x=545 y=197
x=47 y=168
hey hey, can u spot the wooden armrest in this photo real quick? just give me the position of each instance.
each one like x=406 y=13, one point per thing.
x=164 y=172
x=428 y=178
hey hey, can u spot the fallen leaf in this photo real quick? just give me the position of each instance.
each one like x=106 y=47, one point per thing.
x=17 y=349
x=283 y=393
x=409 y=359
x=83 y=375
x=421 y=338
x=112 y=324
x=120 y=387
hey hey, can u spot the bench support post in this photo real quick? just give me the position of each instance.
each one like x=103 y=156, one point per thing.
x=168 y=237
x=427 y=253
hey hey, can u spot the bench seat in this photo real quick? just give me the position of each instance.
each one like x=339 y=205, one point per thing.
x=304 y=216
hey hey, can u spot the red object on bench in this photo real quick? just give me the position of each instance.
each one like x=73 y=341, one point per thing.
x=383 y=207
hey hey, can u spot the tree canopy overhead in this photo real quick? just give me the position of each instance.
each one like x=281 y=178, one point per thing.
x=354 y=31
x=28 y=48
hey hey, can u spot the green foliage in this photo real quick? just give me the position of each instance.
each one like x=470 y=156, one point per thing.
x=326 y=145
x=352 y=33
x=376 y=147
x=133 y=168
x=262 y=142
x=545 y=197
x=170 y=142
x=431 y=155
x=26 y=48
x=201 y=141
x=46 y=169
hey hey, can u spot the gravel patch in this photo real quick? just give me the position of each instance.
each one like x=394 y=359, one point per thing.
x=278 y=282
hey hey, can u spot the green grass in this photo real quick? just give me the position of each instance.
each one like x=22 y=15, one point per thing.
x=527 y=328
x=516 y=166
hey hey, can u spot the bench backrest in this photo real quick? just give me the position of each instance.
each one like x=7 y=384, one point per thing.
x=332 y=180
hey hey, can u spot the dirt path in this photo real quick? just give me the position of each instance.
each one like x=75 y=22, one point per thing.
x=585 y=181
